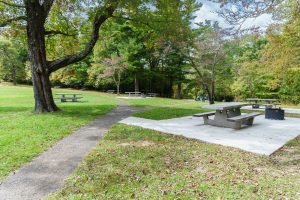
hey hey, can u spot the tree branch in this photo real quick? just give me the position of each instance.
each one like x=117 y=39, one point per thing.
x=12 y=4
x=70 y=59
x=8 y=21
x=54 y=32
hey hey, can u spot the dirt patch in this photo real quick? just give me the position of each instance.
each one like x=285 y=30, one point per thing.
x=140 y=143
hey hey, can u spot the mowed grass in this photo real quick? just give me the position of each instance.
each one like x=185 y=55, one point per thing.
x=24 y=134
x=162 y=108
x=136 y=163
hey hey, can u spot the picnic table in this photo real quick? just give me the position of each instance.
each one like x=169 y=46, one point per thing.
x=151 y=94
x=228 y=115
x=111 y=91
x=135 y=94
x=64 y=97
x=268 y=103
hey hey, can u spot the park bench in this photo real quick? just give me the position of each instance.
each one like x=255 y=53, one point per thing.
x=246 y=119
x=151 y=94
x=268 y=103
x=135 y=94
x=64 y=97
x=111 y=91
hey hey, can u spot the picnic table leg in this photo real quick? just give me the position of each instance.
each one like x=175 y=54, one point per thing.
x=63 y=99
x=74 y=98
x=249 y=122
x=221 y=117
x=205 y=118
x=234 y=112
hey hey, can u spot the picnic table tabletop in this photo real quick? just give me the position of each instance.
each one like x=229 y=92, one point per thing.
x=68 y=94
x=132 y=92
x=269 y=99
x=252 y=99
x=226 y=106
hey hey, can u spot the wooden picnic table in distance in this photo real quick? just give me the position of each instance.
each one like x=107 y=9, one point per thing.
x=256 y=102
x=228 y=115
x=151 y=94
x=135 y=94
x=64 y=97
x=111 y=91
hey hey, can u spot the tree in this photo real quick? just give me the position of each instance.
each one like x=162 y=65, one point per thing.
x=11 y=67
x=35 y=14
x=207 y=54
x=114 y=67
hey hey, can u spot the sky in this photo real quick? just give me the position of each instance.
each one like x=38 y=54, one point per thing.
x=208 y=12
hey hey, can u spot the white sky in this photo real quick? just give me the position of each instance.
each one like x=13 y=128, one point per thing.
x=207 y=12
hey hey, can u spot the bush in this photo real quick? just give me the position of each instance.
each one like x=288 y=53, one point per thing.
x=268 y=95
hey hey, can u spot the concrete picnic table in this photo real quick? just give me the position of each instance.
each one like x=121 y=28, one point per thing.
x=269 y=102
x=228 y=115
x=135 y=93
x=72 y=96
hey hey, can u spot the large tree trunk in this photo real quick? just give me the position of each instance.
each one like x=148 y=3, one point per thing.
x=37 y=54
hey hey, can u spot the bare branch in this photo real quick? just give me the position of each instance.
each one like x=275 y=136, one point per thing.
x=12 y=4
x=236 y=12
x=98 y=21
x=8 y=21
x=54 y=32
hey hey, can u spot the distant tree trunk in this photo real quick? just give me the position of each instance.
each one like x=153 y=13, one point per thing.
x=14 y=75
x=118 y=89
x=179 y=89
x=213 y=75
x=136 y=83
x=36 y=41
x=170 y=91
x=204 y=85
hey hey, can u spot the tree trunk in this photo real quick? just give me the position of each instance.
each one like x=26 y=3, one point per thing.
x=136 y=83
x=118 y=89
x=14 y=75
x=213 y=75
x=170 y=89
x=179 y=88
x=37 y=55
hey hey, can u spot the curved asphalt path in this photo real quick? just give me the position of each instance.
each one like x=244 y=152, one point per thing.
x=46 y=173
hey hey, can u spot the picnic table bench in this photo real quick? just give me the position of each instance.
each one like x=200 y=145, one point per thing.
x=64 y=97
x=151 y=94
x=135 y=94
x=228 y=115
x=111 y=91
x=268 y=103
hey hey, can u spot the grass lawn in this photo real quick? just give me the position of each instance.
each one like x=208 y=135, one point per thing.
x=24 y=135
x=162 y=108
x=131 y=162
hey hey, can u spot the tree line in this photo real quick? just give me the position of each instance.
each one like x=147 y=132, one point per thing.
x=149 y=46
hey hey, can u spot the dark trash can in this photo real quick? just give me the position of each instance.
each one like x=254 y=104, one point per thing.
x=274 y=113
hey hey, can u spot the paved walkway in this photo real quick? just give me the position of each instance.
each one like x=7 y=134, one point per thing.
x=46 y=173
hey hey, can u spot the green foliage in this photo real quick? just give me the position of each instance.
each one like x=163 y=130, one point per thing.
x=290 y=90
x=12 y=59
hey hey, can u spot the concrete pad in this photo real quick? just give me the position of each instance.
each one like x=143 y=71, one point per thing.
x=264 y=137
